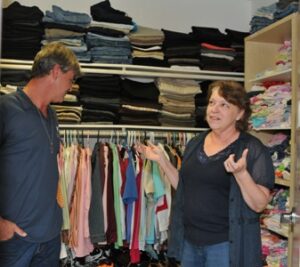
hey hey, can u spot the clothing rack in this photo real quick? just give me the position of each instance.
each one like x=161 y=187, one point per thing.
x=131 y=133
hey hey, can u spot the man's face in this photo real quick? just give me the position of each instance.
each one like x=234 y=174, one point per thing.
x=63 y=84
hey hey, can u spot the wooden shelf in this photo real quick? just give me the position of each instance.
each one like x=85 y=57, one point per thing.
x=283 y=182
x=284 y=75
x=137 y=70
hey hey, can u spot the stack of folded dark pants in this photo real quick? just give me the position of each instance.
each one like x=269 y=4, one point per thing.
x=100 y=97
x=181 y=49
x=13 y=79
x=201 y=105
x=106 y=38
x=177 y=97
x=22 y=31
x=18 y=78
x=216 y=53
x=68 y=28
x=238 y=44
x=146 y=44
x=139 y=102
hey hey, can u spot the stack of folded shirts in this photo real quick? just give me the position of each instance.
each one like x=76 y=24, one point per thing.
x=177 y=97
x=216 y=53
x=100 y=97
x=22 y=31
x=181 y=49
x=70 y=110
x=146 y=46
x=139 y=102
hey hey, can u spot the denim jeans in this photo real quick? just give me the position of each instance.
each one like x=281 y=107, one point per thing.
x=17 y=252
x=205 y=256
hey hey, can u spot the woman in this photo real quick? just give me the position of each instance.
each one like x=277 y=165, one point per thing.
x=223 y=185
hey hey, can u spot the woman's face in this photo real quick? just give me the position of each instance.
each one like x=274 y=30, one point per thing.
x=220 y=114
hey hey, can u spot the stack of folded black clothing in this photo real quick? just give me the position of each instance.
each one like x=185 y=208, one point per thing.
x=238 y=44
x=146 y=44
x=18 y=78
x=216 y=52
x=68 y=28
x=22 y=31
x=106 y=36
x=100 y=97
x=181 y=49
x=201 y=104
x=139 y=102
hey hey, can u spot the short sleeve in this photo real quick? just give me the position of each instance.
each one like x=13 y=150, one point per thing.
x=1 y=122
x=262 y=170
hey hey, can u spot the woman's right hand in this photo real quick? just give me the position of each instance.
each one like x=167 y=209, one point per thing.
x=151 y=151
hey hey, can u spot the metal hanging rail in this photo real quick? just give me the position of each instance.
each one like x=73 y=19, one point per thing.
x=128 y=127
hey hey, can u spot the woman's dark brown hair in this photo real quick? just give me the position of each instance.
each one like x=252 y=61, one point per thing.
x=234 y=93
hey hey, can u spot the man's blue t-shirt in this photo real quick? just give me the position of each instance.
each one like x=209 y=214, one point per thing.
x=28 y=167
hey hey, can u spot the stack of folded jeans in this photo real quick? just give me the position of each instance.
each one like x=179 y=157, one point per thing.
x=106 y=37
x=266 y=15
x=68 y=28
x=285 y=8
x=22 y=31
x=146 y=46
x=263 y=17
x=100 y=97
x=139 y=103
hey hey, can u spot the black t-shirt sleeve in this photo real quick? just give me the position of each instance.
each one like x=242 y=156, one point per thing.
x=262 y=166
x=1 y=122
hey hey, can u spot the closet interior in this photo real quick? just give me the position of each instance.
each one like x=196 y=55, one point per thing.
x=271 y=60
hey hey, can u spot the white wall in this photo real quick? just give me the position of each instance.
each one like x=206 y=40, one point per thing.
x=168 y=14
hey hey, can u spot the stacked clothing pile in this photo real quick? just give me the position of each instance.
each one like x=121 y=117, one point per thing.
x=106 y=36
x=70 y=110
x=201 y=105
x=139 y=102
x=266 y=15
x=100 y=97
x=22 y=31
x=216 y=53
x=178 y=99
x=181 y=49
x=146 y=46
x=272 y=108
x=238 y=45
x=275 y=249
x=68 y=28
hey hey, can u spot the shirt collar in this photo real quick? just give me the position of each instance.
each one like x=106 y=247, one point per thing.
x=25 y=101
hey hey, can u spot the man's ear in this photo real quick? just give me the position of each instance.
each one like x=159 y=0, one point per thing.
x=55 y=71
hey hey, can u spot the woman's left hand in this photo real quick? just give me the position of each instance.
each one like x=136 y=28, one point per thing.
x=236 y=167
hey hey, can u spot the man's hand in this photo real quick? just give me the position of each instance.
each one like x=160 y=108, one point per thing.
x=8 y=228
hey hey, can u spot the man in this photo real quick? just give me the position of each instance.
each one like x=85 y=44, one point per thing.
x=30 y=217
